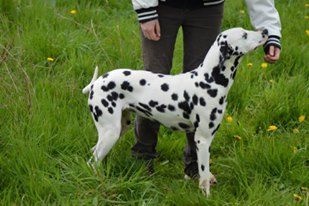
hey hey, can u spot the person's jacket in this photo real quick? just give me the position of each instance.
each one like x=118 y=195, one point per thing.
x=263 y=14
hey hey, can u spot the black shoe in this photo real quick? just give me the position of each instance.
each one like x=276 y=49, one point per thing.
x=191 y=170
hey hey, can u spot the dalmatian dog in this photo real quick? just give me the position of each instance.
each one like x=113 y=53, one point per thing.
x=193 y=102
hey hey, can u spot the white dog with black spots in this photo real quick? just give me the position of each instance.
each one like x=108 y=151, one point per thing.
x=193 y=102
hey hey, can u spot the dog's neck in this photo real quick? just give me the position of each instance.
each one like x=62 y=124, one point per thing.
x=220 y=66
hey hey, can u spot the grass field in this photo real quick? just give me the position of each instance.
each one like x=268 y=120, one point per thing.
x=47 y=55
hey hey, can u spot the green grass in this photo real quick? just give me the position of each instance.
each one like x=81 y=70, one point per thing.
x=46 y=130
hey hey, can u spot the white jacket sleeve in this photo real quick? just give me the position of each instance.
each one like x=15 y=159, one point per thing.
x=264 y=15
x=145 y=9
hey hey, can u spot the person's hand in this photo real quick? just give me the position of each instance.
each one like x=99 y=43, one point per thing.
x=151 y=30
x=272 y=55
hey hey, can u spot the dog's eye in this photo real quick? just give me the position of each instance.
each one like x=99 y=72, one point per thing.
x=245 y=35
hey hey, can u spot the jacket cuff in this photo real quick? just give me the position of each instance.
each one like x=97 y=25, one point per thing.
x=272 y=41
x=148 y=14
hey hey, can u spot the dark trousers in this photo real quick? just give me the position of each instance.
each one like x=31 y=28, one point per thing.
x=200 y=28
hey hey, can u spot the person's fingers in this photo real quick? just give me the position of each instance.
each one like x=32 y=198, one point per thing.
x=273 y=54
x=149 y=29
x=158 y=29
x=271 y=51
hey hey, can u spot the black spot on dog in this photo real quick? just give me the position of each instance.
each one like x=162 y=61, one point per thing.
x=196 y=123
x=114 y=95
x=91 y=94
x=105 y=103
x=105 y=75
x=147 y=113
x=110 y=98
x=218 y=77
x=204 y=85
x=174 y=97
x=110 y=110
x=160 y=75
x=126 y=73
x=104 y=88
x=185 y=115
x=126 y=86
x=121 y=96
x=153 y=103
x=208 y=78
x=234 y=74
x=219 y=111
x=161 y=108
x=202 y=101
x=111 y=85
x=213 y=114
x=186 y=96
x=145 y=106
x=184 y=106
x=211 y=125
x=164 y=87
x=195 y=99
x=113 y=104
x=245 y=35
x=197 y=117
x=202 y=167
x=171 y=107
x=183 y=125
x=215 y=130
x=196 y=84
x=221 y=100
x=98 y=112
x=191 y=105
x=142 y=82
x=212 y=92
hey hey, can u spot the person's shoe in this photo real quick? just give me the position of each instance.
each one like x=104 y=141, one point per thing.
x=191 y=171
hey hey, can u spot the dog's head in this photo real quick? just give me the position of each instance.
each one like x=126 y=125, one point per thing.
x=238 y=41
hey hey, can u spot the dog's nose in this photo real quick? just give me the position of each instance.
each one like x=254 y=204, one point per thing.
x=264 y=33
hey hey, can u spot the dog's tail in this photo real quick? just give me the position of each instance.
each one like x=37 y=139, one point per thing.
x=95 y=76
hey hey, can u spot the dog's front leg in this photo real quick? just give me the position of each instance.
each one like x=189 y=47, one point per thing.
x=203 y=141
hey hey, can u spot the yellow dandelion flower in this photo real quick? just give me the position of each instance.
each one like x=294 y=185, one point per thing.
x=73 y=11
x=264 y=65
x=237 y=137
x=297 y=197
x=50 y=59
x=229 y=119
x=301 y=118
x=249 y=65
x=272 y=128
x=307 y=32
x=295 y=131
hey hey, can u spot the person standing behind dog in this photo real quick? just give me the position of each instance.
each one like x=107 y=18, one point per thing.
x=200 y=21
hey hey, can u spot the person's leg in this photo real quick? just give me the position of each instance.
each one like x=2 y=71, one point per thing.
x=200 y=29
x=157 y=57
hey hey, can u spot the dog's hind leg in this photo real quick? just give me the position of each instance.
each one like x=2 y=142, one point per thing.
x=108 y=135
x=125 y=121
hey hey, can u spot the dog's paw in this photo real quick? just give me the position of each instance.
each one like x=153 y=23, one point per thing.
x=213 y=180
x=205 y=186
